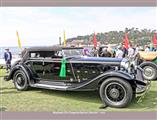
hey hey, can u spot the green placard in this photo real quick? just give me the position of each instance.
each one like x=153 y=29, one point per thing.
x=63 y=68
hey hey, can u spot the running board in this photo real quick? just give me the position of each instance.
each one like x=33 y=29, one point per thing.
x=52 y=87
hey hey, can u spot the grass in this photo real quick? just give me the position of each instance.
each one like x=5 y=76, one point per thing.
x=59 y=101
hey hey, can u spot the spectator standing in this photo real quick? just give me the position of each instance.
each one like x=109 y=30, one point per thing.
x=136 y=50
x=8 y=58
x=147 y=49
x=104 y=52
x=119 y=52
x=86 y=52
x=95 y=52
x=155 y=48
x=109 y=50
x=131 y=51
x=125 y=51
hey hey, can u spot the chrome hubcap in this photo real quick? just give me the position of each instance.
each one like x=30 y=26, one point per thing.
x=114 y=93
x=19 y=80
x=148 y=71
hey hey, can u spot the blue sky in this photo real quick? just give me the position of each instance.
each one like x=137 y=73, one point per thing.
x=44 y=25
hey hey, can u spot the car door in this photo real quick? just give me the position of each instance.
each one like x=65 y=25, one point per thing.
x=35 y=64
x=52 y=68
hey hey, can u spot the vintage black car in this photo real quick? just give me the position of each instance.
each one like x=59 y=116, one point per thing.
x=55 y=68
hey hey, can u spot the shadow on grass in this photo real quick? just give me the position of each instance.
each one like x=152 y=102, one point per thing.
x=148 y=102
x=86 y=96
x=10 y=92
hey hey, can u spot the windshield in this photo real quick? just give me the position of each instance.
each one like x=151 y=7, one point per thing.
x=72 y=52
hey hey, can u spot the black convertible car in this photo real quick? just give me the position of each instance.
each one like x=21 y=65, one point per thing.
x=66 y=69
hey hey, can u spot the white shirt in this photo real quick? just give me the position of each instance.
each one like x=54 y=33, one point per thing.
x=131 y=52
x=119 y=54
x=146 y=50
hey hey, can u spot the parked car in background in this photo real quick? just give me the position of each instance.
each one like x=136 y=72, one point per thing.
x=148 y=62
x=56 y=68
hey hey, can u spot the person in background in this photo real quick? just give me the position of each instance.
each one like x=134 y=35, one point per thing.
x=125 y=51
x=109 y=50
x=119 y=52
x=94 y=52
x=131 y=52
x=147 y=49
x=151 y=47
x=8 y=58
x=86 y=52
x=136 y=50
x=155 y=48
x=104 y=52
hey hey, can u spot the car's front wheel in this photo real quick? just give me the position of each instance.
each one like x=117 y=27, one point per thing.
x=20 y=80
x=116 y=92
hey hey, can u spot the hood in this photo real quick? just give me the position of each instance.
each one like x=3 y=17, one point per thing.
x=97 y=59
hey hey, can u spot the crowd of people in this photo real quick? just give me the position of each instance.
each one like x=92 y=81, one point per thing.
x=118 y=52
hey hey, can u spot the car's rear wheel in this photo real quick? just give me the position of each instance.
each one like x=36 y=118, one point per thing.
x=116 y=92
x=20 y=80
x=149 y=70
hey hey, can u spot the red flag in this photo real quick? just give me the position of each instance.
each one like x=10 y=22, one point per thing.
x=95 y=40
x=126 y=41
x=155 y=40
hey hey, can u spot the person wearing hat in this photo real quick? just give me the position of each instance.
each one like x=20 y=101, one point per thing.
x=8 y=58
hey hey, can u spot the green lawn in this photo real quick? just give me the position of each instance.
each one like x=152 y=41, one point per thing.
x=59 y=101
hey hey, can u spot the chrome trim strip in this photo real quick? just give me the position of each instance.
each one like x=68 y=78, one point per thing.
x=49 y=86
x=59 y=61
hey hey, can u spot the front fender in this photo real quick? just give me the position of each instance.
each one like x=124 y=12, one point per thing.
x=120 y=74
x=124 y=75
x=96 y=82
x=18 y=67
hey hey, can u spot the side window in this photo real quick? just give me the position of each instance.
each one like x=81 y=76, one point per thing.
x=34 y=55
x=58 y=54
x=46 y=54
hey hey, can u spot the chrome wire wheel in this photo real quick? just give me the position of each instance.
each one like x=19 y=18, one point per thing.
x=115 y=92
x=149 y=72
x=20 y=80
